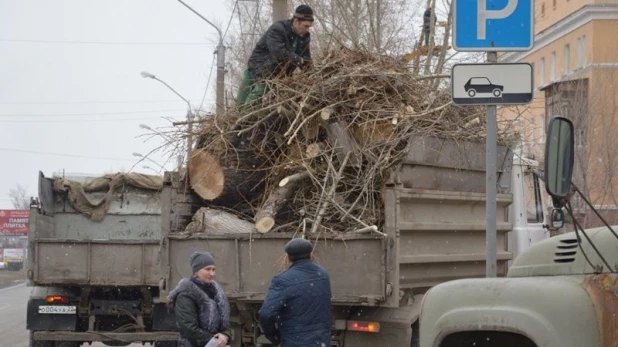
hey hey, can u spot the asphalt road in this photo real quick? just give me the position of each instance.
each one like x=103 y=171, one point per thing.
x=13 y=301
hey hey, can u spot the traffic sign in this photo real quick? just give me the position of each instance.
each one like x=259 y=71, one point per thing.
x=493 y=25
x=492 y=84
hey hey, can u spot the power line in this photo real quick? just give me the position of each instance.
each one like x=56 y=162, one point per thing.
x=85 y=102
x=80 y=120
x=85 y=114
x=62 y=154
x=106 y=42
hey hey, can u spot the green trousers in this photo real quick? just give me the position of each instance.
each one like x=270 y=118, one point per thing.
x=249 y=92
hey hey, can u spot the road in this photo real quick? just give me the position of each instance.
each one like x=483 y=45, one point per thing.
x=13 y=301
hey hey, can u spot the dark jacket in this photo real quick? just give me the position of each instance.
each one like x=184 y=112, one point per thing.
x=297 y=308
x=427 y=19
x=274 y=51
x=201 y=311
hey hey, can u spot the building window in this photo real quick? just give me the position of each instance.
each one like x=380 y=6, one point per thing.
x=581 y=52
x=531 y=134
x=542 y=129
x=567 y=60
x=542 y=72
x=552 y=67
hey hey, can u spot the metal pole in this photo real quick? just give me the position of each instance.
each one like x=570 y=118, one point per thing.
x=189 y=133
x=220 y=79
x=491 y=265
x=280 y=10
x=220 y=62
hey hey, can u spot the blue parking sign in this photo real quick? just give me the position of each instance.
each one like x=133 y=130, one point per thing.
x=493 y=25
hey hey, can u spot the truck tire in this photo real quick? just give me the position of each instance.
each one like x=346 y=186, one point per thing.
x=40 y=343
x=415 y=336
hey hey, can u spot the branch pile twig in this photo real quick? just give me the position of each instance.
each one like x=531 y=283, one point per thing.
x=335 y=131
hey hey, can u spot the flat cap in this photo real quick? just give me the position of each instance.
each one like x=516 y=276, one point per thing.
x=298 y=247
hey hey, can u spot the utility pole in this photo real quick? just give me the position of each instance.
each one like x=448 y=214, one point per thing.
x=280 y=10
x=220 y=63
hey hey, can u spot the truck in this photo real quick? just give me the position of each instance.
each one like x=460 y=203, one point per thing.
x=562 y=291
x=92 y=265
x=434 y=232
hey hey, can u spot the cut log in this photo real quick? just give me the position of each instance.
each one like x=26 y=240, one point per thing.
x=265 y=217
x=212 y=221
x=229 y=180
x=343 y=142
x=294 y=178
x=326 y=113
x=313 y=150
x=206 y=175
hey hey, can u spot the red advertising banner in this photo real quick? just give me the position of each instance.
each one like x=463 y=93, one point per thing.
x=14 y=222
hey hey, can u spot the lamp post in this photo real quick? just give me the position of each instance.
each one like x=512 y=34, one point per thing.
x=139 y=155
x=220 y=62
x=189 y=111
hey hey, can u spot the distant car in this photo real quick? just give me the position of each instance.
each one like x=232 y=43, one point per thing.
x=482 y=85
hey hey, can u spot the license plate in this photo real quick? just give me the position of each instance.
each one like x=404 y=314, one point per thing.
x=57 y=309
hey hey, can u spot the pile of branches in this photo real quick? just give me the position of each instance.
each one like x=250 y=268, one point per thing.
x=314 y=154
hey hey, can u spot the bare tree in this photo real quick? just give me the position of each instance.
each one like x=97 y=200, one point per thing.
x=19 y=197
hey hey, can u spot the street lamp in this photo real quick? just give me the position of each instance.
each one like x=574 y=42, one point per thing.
x=149 y=168
x=220 y=62
x=146 y=74
x=139 y=155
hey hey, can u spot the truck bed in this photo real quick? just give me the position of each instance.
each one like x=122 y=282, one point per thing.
x=434 y=209
x=68 y=248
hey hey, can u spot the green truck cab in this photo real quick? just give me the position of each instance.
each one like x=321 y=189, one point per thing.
x=562 y=291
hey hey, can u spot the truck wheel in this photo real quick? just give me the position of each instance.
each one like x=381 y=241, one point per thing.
x=415 y=337
x=40 y=343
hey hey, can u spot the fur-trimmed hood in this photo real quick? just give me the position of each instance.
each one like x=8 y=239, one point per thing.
x=214 y=315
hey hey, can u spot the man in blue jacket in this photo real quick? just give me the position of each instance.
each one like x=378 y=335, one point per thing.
x=297 y=308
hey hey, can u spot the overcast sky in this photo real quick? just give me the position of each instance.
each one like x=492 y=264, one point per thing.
x=71 y=94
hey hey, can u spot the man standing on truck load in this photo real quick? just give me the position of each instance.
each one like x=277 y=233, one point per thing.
x=297 y=308
x=283 y=48
x=200 y=305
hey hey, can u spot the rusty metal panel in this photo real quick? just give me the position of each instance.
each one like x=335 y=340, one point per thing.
x=246 y=266
x=603 y=291
x=96 y=263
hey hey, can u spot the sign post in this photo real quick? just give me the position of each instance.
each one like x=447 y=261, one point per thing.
x=490 y=26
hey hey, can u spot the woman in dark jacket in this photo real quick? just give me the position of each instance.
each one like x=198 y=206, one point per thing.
x=200 y=305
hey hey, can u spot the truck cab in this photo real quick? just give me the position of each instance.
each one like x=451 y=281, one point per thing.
x=560 y=292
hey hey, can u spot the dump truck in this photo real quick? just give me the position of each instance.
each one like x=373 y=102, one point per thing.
x=92 y=261
x=561 y=292
x=434 y=232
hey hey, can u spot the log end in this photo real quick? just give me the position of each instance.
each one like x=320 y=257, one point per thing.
x=206 y=175
x=264 y=224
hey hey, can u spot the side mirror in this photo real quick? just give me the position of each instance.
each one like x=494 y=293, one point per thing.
x=557 y=219
x=559 y=156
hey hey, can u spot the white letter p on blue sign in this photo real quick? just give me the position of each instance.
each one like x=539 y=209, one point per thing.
x=493 y=25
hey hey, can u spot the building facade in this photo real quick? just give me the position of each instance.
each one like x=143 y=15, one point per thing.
x=575 y=61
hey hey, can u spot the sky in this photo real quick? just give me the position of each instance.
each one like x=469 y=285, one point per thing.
x=71 y=95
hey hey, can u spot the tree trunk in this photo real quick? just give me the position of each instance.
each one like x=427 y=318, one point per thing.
x=231 y=179
x=265 y=217
x=343 y=143
x=211 y=221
